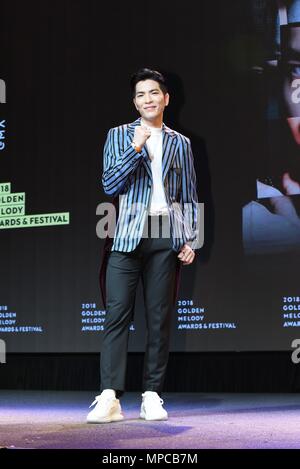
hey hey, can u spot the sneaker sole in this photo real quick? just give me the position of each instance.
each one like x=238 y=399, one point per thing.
x=143 y=416
x=113 y=418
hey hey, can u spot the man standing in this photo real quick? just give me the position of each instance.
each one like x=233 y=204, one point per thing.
x=149 y=169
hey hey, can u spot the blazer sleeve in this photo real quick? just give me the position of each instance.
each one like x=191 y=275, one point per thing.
x=189 y=198
x=118 y=163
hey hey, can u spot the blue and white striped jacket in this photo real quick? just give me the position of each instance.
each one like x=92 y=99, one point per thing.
x=127 y=174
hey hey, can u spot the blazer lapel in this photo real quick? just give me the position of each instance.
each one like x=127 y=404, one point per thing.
x=130 y=134
x=168 y=150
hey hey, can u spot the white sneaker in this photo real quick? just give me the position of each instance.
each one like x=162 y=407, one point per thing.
x=151 y=408
x=108 y=408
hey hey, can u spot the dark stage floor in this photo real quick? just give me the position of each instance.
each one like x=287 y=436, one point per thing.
x=47 y=419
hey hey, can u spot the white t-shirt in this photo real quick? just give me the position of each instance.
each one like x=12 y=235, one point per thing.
x=158 y=202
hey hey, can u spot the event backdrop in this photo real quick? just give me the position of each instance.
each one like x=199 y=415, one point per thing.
x=234 y=80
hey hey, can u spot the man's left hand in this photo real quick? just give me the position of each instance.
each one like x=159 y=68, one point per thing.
x=186 y=255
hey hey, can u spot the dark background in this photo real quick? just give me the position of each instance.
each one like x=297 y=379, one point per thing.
x=67 y=66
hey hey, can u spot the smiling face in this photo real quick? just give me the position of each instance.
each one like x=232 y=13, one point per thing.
x=150 y=101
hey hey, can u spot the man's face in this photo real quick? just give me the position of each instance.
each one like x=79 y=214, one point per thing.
x=149 y=99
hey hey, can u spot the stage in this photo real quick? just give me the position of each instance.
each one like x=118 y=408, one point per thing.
x=56 y=420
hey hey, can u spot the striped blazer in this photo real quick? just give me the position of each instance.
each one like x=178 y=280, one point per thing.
x=127 y=176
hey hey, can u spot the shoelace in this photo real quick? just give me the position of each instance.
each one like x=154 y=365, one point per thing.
x=155 y=399
x=98 y=399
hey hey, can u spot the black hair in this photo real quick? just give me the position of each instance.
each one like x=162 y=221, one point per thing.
x=148 y=74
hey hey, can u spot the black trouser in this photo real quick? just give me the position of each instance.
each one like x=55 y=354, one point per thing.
x=154 y=262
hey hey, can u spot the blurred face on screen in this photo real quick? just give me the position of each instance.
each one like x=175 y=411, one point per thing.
x=290 y=68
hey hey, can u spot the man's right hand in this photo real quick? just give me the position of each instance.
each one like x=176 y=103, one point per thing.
x=141 y=135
